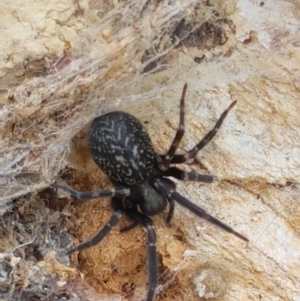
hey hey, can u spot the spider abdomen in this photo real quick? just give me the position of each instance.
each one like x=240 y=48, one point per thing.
x=121 y=147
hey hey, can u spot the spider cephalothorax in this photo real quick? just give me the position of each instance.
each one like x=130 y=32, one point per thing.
x=121 y=147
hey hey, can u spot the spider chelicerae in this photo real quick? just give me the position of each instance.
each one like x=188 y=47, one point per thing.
x=121 y=147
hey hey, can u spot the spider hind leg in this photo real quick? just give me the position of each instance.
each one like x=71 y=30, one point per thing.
x=88 y=195
x=207 y=138
x=167 y=158
x=187 y=175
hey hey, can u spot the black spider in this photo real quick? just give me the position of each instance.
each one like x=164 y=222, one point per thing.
x=121 y=147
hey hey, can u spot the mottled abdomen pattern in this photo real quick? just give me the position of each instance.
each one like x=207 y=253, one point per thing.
x=121 y=147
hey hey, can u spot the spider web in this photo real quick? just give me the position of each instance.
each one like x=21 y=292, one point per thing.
x=99 y=58
x=65 y=62
x=114 y=63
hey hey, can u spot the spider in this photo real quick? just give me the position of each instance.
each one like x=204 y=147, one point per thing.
x=121 y=147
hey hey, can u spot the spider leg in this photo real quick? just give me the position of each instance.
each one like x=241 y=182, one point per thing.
x=169 y=155
x=146 y=221
x=170 y=214
x=133 y=224
x=166 y=190
x=119 y=211
x=129 y=228
x=87 y=195
x=171 y=211
x=207 y=138
x=187 y=175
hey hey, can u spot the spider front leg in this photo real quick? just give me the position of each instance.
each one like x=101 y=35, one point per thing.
x=147 y=222
x=207 y=138
x=117 y=204
x=166 y=190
